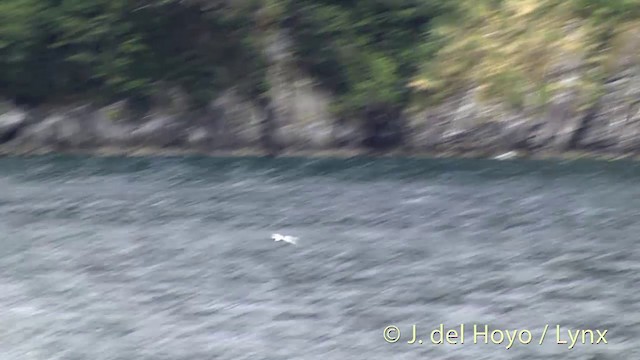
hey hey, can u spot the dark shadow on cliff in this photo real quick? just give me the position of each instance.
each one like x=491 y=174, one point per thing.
x=383 y=127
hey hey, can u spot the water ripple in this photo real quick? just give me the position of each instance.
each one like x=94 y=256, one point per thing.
x=170 y=258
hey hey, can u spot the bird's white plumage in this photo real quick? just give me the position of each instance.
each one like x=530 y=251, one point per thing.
x=286 y=238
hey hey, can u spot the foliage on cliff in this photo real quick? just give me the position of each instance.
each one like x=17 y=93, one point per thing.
x=515 y=50
x=382 y=52
x=61 y=48
x=365 y=51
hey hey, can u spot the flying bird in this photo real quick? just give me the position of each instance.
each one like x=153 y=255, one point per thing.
x=286 y=238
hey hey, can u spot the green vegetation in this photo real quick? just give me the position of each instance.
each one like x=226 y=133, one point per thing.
x=55 y=49
x=365 y=51
x=511 y=49
x=368 y=52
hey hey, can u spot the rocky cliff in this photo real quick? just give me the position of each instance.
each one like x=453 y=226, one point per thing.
x=297 y=118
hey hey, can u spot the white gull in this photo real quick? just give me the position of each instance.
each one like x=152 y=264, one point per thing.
x=286 y=238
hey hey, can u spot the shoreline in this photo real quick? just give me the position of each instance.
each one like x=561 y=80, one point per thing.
x=148 y=151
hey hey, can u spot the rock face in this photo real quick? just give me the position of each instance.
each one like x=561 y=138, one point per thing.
x=231 y=122
x=614 y=123
x=302 y=113
x=297 y=117
x=464 y=123
x=12 y=119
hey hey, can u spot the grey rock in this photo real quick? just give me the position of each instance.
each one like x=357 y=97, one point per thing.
x=160 y=131
x=67 y=128
x=113 y=125
x=11 y=122
x=199 y=137
x=233 y=122
x=465 y=123
x=302 y=108
x=296 y=116
x=347 y=134
x=614 y=126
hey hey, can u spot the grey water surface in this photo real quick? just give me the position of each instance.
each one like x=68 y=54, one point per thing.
x=151 y=258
